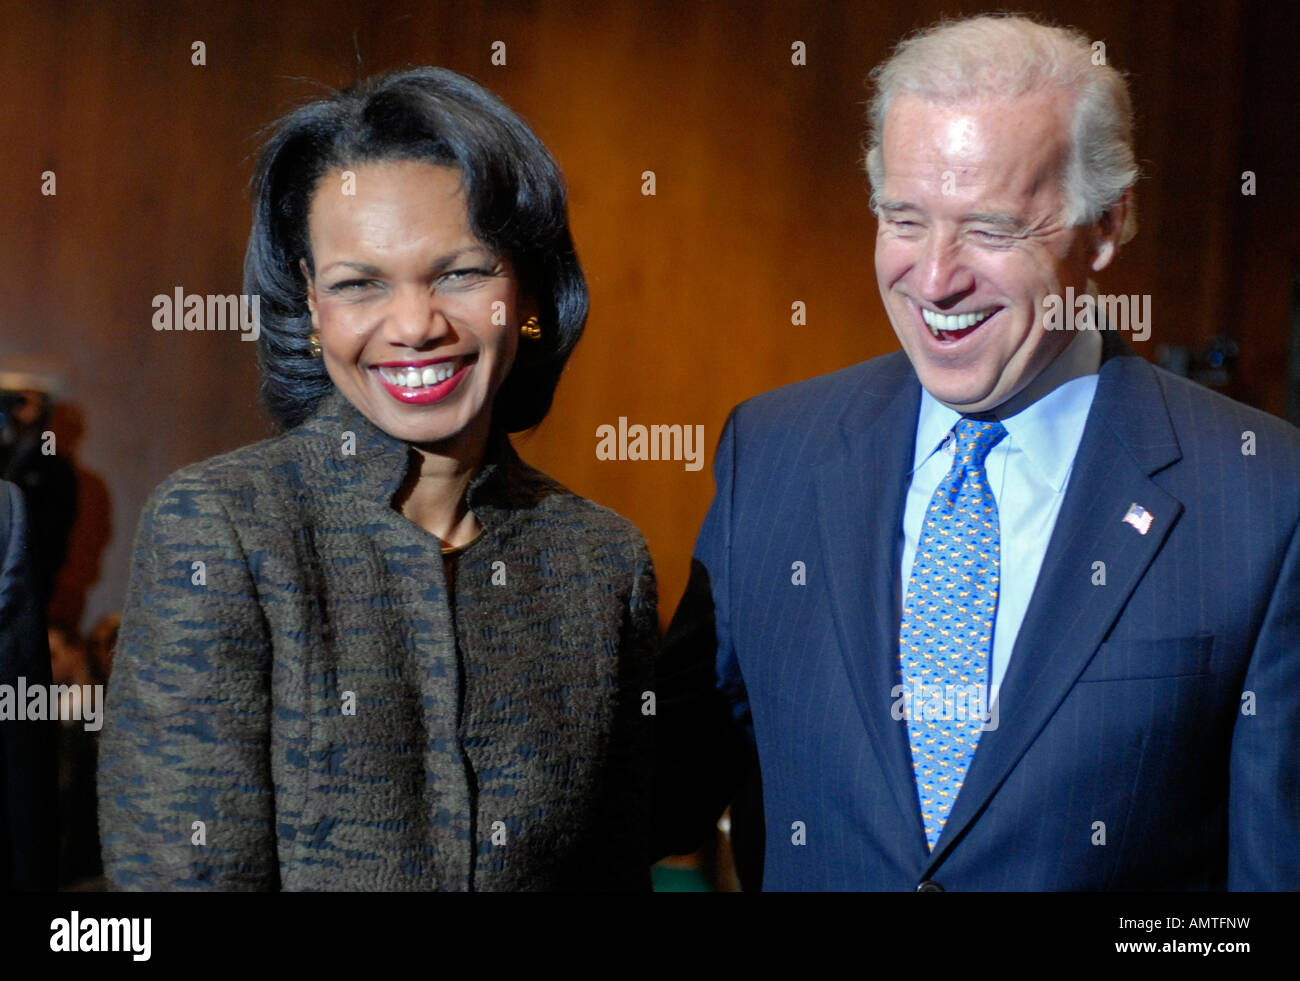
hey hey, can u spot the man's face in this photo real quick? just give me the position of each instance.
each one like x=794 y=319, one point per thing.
x=971 y=239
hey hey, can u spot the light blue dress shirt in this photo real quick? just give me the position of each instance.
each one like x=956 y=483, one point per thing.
x=1028 y=471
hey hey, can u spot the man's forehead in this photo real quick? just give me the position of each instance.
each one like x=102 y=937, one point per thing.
x=956 y=125
x=1017 y=144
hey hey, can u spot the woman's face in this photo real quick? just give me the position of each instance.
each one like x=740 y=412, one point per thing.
x=418 y=320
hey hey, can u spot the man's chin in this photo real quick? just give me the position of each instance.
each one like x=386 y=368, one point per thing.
x=965 y=398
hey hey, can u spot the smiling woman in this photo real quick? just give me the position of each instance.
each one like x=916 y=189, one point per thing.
x=416 y=321
x=380 y=652
x=402 y=272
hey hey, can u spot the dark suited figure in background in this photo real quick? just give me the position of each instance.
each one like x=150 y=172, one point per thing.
x=48 y=481
x=79 y=862
x=28 y=842
x=1009 y=609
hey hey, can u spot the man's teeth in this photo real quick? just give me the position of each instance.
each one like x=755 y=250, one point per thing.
x=430 y=374
x=953 y=321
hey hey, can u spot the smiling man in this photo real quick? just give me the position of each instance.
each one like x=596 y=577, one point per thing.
x=966 y=602
x=976 y=232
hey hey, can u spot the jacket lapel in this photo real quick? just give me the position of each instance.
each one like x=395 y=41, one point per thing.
x=860 y=494
x=1128 y=438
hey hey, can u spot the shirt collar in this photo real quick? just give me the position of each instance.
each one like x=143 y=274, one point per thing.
x=1045 y=420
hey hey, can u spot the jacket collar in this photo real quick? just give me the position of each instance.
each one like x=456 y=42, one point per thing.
x=344 y=450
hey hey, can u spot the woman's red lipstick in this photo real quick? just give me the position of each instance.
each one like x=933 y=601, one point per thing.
x=425 y=394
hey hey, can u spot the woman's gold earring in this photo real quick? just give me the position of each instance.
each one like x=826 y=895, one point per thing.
x=530 y=329
x=315 y=344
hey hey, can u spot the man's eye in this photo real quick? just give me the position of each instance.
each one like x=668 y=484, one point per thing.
x=993 y=238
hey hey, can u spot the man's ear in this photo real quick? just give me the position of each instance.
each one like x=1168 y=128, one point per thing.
x=311 y=289
x=1109 y=232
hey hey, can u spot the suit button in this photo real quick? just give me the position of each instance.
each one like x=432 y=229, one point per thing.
x=929 y=885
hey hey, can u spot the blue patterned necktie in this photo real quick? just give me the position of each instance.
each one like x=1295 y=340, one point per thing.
x=946 y=634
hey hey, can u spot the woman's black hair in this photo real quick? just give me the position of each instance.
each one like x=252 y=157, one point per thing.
x=515 y=197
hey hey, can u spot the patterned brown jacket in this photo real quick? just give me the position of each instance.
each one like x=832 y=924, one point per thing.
x=299 y=701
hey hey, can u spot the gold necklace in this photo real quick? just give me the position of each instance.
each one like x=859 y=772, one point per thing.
x=453 y=549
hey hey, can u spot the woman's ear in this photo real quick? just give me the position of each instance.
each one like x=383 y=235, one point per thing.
x=526 y=305
x=311 y=289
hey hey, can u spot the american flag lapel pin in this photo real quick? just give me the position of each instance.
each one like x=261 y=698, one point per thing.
x=1139 y=517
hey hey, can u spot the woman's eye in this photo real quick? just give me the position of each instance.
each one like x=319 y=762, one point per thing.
x=462 y=275
x=350 y=286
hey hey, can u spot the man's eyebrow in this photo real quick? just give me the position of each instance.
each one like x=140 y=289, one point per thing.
x=999 y=219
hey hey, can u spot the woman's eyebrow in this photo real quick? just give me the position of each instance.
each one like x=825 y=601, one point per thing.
x=439 y=264
x=362 y=267
x=475 y=250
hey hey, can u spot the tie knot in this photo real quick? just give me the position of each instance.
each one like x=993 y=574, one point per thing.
x=975 y=438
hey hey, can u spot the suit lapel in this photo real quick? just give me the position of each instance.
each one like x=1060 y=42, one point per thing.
x=860 y=486
x=1128 y=437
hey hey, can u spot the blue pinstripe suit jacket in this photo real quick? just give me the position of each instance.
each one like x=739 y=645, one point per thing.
x=1149 y=728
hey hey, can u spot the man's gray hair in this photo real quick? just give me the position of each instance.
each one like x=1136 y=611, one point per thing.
x=1009 y=56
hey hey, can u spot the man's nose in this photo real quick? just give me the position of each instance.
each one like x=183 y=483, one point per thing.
x=942 y=272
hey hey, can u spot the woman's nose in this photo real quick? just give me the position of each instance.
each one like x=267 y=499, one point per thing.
x=417 y=317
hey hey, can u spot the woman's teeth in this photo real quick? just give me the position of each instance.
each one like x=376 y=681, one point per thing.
x=430 y=374
x=954 y=321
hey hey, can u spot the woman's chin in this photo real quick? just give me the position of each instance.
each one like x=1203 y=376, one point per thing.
x=421 y=434
x=428 y=434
